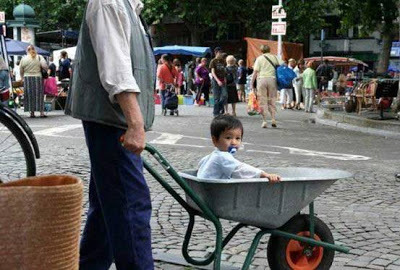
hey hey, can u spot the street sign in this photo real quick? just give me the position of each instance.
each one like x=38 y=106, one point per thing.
x=278 y=28
x=2 y=17
x=278 y=12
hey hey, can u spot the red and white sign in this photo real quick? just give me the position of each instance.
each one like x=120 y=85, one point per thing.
x=278 y=12
x=2 y=17
x=278 y=29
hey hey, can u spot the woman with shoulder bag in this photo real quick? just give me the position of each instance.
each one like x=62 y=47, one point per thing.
x=31 y=68
x=167 y=76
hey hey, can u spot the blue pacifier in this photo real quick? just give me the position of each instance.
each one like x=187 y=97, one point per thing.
x=232 y=150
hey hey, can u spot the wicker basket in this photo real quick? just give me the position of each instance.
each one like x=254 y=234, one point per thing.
x=40 y=219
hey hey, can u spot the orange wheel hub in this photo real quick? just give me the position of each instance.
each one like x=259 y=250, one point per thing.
x=297 y=258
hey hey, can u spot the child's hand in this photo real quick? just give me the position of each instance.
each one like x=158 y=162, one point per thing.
x=273 y=178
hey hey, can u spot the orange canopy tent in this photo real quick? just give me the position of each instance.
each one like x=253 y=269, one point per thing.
x=289 y=50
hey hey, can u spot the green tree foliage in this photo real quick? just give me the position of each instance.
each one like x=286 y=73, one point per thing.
x=304 y=16
x=52 y=14
x=198 y=16
x=370 y=16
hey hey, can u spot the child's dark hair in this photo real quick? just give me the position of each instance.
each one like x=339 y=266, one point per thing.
x=224 y=122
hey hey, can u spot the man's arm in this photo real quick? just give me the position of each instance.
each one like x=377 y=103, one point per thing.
x=134 y=138
x=110 y=34
x=253 y=78
x=216 y=77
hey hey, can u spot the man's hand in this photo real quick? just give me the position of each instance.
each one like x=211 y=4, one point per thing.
x=220 y=83
x=134 y=140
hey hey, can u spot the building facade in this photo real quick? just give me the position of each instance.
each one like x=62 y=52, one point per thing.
x=352 y=43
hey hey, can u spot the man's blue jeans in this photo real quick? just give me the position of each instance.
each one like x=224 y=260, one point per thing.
x=118 y=222
x=220 y=98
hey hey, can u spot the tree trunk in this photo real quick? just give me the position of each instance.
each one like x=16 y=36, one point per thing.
x=387 y=39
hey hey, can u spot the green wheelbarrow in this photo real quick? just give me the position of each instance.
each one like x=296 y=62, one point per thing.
x=298 y=241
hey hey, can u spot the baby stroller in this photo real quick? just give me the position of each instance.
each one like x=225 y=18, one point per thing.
x=171 y=101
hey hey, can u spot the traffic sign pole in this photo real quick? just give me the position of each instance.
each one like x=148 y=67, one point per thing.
x=280 y=37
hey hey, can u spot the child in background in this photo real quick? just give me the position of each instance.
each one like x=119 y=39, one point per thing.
x=226 y=134
x=180 y=77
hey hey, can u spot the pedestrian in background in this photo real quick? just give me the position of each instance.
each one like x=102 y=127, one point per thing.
x=189 y=75
x=203 y=82
x=112 y=93
x=310 y=86
x=242 y=79
x=158 y=85
x=298 y=84
x=4 y=74
x=286 y=94
x=267 y=88
x=167 y=75
x=52 y=68
x=180 y=77
x=217 y=67
x=50 y=84
x=31 y=67
x=17 y=71
x=231 y=80
x=64 y=66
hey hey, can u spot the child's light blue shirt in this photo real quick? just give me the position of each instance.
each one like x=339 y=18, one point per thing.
x=222 y=165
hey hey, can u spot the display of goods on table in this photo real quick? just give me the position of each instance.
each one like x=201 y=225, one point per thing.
x=333 y=101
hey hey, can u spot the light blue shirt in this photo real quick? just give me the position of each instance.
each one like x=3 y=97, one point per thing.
x=223 y=165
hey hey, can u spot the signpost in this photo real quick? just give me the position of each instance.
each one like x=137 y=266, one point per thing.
x=2 y=17
x=278 y=12
x=278 y=28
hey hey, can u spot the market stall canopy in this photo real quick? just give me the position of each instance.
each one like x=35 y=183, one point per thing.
x=183 y=50
x=340 y=61
x=15 y=47
x=289 y=50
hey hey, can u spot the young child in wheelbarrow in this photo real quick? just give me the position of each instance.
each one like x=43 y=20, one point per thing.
x=227 y=134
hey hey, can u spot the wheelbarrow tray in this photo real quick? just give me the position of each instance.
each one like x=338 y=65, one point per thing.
x=257 y=202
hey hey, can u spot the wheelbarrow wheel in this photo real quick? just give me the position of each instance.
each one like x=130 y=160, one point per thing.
x=284 y=253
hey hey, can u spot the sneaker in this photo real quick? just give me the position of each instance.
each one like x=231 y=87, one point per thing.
x=264 y=124
x=274 y=124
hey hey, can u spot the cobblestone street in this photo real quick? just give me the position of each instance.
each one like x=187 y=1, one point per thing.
x=363 y=213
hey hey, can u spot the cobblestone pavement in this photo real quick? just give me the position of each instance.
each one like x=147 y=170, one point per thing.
x=363 y=213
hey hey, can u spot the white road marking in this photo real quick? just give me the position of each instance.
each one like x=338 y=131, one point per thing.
x=172 y=139
x=263 y=152
x=329 y=155
x=54 y=132
x=167 y=138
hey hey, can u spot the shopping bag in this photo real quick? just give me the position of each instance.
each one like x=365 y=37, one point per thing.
x=253 y=107
x=50 y=86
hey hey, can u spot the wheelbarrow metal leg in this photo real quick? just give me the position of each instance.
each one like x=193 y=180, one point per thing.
x=253 y=248
x=312 y=224
x=216 y=255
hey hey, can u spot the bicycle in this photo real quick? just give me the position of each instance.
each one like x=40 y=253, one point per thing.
x=18 y=146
